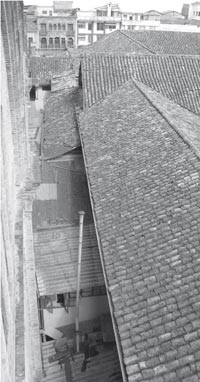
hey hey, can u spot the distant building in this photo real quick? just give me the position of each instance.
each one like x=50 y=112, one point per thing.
x=93 y=25
x=191 y=11
x=171 y=16
x=137 y=21
x=51 y=29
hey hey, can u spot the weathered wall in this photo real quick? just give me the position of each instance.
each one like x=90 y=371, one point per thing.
x=15 y=170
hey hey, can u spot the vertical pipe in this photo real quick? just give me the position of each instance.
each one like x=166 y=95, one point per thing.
x=81 y=218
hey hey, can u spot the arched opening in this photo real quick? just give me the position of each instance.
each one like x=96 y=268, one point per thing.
x=59 y=27
x=70 y=42
x=51 y=42
x=43 y=43
x=63 y=44
x=50 y=27
x=33 y=93
x=63 y=27
x=57 y=42
x=54 y=27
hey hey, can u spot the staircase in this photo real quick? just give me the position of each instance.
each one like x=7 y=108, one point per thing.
x=53 y=371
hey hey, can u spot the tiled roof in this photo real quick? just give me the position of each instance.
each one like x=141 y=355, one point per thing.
x=41 y=69
x=144 y=185
x=56 y=258
x=167 y=42
x=59 y=131
x=115 y=42
x=176 y=77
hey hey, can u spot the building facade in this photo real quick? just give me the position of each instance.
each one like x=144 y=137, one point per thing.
x=93 y=25
x=51 y=29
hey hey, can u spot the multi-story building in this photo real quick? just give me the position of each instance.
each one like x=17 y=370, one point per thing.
x=51 y=29
x=191 y=11
x=139 y=21
x=93 y=25
x=194 y=11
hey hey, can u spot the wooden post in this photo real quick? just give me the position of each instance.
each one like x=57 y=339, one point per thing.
x=81 y=218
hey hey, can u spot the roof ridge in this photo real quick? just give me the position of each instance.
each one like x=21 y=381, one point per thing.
x=156 y=107
x=110 y=54
x=137 y=42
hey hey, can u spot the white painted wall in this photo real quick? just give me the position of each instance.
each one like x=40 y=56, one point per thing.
x=90 y=308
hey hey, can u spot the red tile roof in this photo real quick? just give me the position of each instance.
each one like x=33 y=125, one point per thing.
x=176 y=77
x=144 y=185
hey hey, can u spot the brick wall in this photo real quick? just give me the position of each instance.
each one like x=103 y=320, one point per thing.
x=15 y=170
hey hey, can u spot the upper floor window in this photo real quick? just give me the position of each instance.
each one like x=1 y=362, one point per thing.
x=81 y=26
x=130 y=17
x=43 y=43
x=43 y=27
x=59 y=27
x=50 y=43
x=89 y=26
x=63 y=45
x=70 y=27
x=54 y=27
x=101 y=13
x=44 y=12
x=100 y=26
x=50 y=27
x=63 y=27
x=57 y=42
x=70 y=42
x=50 y=13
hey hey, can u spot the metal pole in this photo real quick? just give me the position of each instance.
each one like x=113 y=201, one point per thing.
x=81 y=218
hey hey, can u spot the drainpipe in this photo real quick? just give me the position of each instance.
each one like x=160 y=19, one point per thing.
x=81 y=218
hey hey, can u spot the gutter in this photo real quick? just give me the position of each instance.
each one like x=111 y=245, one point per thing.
x=110 y=303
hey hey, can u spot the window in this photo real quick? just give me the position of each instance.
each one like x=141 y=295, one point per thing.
x=50 y=43
x=50 y=13
x=54 y=27
x=43 y=43
x=50 y=27
x=30 y=41
x=100 y=26
x=70 y=27
x=63 y=45
x=81 y=26
x=89 y=26
x=57 y=42
x=81 y=38
x=131 y=18
x=101 y=13
x=43 y=27
x=59 y=27
x=63 y=27
x=89 y=38
x=125 y=16
x=44 y=12
x=111 y=27
x=70 y=42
